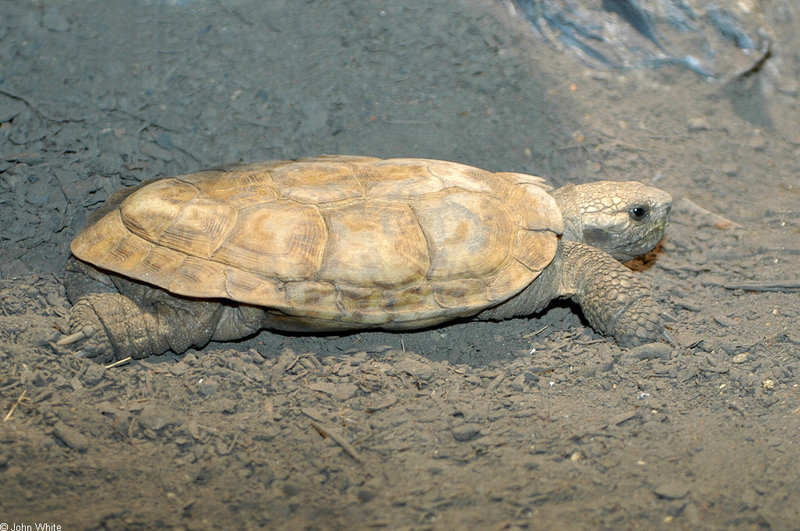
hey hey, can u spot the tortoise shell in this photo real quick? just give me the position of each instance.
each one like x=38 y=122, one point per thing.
x=337 y=239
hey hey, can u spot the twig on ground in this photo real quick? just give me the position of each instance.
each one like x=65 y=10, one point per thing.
x=338 y=439
x=118 y=363
x=720 y=222
x=18 y=402
x=755 y=285
x=536 y=333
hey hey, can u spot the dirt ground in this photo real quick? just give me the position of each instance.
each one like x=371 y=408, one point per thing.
x=527 y=424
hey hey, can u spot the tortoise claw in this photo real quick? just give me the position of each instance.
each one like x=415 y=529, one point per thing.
x=87 y=337
x=80 y=335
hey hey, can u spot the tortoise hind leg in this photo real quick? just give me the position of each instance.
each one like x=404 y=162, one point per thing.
x=105 y=326
x=80 y=278
x=615 y=301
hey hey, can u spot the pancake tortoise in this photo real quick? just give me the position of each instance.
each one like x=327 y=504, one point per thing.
x=344 y=243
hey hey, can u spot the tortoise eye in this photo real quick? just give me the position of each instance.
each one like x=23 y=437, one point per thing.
x=638 y=213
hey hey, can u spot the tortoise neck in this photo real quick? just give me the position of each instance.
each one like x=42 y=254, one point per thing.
x=568 y=201
x=531 y=300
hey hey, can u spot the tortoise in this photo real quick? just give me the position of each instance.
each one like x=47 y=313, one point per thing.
x=343 y=243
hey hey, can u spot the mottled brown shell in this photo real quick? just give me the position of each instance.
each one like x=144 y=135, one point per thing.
x=338 y=239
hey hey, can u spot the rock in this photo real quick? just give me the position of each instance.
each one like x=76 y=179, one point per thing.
x=758 y=143
x=466 y=432
x=715 y=39
x=687 y=339
x=417 y=369
x=268 y=433
x=155 y=417
x=740 y=358
x=71 y=437
x=674 y=490
x=93 y=375
x=621 y=418
x=698 y=124
x=366 y=495
x=651 y=351
x=207 y=387
x=340 y=391
x=722 y=320
x=179 y=368
x=731 y=169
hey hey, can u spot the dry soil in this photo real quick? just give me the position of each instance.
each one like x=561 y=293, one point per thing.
x=527 y=424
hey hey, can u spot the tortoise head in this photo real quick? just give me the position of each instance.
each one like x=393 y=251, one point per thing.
x=624 y=219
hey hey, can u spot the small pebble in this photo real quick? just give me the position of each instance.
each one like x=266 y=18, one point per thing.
x=698 y=124
x=70 y=436
x=290 y=489
x=93 y=375
x=758 y=143
x=366 y=495
x=156 y=417
x=729 y=168
x=466 y=432
x=740 y=358
x=340 y=391
x=416 y=369
x=651 y=351
x=207 y=387
x=620 y=418
x=672 y=491
x=724 y=321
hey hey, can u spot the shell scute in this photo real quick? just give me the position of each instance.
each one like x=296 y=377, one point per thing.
x=318 y=182
x=374 y=244
x=239 y=189
x=470 y=240
x=149 y=211
x=282 y=239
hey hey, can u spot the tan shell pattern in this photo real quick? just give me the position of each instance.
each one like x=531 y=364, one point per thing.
x=338 y=239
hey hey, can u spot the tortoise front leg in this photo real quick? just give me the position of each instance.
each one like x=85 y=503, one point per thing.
x=615 y=301
x=105 y=326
